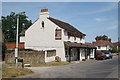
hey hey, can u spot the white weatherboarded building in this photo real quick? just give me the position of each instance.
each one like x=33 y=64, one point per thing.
x=56 y=38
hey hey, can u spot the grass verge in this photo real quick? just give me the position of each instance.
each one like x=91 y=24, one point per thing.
x=13 y=72
x=54 y=63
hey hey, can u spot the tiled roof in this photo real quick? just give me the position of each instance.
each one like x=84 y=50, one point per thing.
x=103 y=43
x=79 y=45
x=63 y=25
x=116 y=44
x=66 y=26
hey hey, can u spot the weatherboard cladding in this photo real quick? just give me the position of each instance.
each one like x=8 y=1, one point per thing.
x=69 y=28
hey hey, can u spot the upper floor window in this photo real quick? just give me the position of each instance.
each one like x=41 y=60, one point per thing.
x=43 y=24
x=58 y=34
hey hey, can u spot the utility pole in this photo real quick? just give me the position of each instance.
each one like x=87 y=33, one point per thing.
x=16 y=49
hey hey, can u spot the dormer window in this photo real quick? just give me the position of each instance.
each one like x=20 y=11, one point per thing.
x=43 y=24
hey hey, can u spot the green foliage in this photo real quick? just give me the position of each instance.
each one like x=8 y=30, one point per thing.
x=9 y=24
x=104 y=37
x=114 y=50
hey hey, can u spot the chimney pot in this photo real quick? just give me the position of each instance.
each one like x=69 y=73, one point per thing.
x=44 y=10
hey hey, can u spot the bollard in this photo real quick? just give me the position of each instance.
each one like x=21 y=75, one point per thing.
x=21 y=60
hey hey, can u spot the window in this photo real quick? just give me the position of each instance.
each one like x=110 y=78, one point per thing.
x=51 y=53
x=99 y=47
x=43 y=24
x=58 y=33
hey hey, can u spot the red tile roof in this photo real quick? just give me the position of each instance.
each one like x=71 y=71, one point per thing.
x=116 y=44
x=66 y=26
x=103 y=43
x=63 y=25
x=79 y=45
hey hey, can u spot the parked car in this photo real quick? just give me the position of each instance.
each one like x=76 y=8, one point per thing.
x=101 y=55
x=117 y=53
x=108 y=55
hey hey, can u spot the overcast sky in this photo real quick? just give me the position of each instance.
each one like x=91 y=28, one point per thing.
x=91 y=18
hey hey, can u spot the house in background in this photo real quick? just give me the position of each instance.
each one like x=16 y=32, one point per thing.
x=56 y=38
x=116 y=44
x=103 y=43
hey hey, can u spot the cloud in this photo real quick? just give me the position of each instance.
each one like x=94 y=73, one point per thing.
x=112 y=27
x=99 y=19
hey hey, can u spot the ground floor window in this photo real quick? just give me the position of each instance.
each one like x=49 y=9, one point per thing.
x=51 y=53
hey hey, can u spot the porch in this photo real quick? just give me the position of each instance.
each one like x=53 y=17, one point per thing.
x=78 y=51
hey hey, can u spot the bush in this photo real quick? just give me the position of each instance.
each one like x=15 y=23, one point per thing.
x=114 y=50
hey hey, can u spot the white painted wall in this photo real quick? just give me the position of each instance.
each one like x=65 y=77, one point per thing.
x=39 y=38
x=72 y=38
x=22 y=39
x=49 y=59
x=103 y=47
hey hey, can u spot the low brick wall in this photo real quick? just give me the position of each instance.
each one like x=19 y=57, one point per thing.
x=29 y=57
x=13 y=45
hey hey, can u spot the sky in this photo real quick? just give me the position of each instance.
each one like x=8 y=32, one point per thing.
x=91 y=18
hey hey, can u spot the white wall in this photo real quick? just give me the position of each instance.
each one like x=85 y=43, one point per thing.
x=103 y=47
x=72 y=38
x=22 y=39
x=39 y=38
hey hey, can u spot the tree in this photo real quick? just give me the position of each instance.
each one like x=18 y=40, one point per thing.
x=104 y=37
x=9 y=24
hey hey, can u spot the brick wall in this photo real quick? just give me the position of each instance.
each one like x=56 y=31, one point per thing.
x=13 y=45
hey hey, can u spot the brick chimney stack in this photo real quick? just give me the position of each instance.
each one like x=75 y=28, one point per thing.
x=44 y=13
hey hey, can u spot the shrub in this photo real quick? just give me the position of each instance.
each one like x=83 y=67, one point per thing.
x=114 y=50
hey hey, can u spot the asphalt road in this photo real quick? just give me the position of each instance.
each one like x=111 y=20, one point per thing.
x=84 y=69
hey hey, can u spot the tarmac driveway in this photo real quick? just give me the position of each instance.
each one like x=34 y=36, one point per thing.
x=84 y=69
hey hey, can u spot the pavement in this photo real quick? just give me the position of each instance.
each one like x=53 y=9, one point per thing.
x=80 y=69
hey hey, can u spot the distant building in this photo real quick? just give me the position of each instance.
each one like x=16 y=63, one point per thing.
x=117 y=45
x=103 y=43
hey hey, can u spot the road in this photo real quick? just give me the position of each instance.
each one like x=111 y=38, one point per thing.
x=82 y=69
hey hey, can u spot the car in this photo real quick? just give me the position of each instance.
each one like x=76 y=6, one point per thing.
x=101 y=55
x=117 y=53
x=108 y=55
